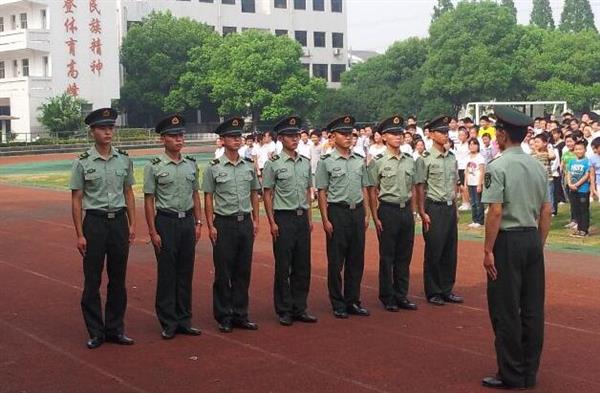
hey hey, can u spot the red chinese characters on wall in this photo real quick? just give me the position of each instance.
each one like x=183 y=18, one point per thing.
x=95 y=26
x=70 y=24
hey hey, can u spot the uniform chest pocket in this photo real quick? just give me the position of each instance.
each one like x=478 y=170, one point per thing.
x=120 y=172
x=190 y=178
x=92 y=177
x=222 y=179
x=165 y=180
x=436 y=172
x=388 y=179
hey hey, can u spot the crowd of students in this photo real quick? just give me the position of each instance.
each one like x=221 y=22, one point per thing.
x=569 y=149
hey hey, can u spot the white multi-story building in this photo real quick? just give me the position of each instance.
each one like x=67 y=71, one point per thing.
x=48 y=47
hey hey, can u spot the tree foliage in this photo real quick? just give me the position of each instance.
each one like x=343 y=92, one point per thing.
x=62 y=114
x=510 y=5
x=541 y=14
x=154 y=54
x=577 y=15
x=441 y=8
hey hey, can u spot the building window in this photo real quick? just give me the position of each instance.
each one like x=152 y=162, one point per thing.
x=279 y=33
x=336 y=72
x=44 y=16
x=319 y=38
x=300 y=37
x=248 y=6
x=23 y=18
x=15 y=68
x=13 y=22
x=206 y=1
x=2 y=71
x=46 y=66
x=300 y=4
x=306 y=66
x=320 y=71
x=229 y=30
x=1 y=24
x=337 y=40
x=280 y=3
x=318 y=5
x=336 y=5
x=227 y=1
x=25 y=67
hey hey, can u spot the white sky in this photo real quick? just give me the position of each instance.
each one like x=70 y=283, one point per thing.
x=375 y=24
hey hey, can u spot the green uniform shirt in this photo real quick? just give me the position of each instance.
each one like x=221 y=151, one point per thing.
x=344 y=178
x=230 y=183
x=394 y=176
x=439 y=172
x=172 y=183
x=290 y=179
x=102 y=180
x=519 y=182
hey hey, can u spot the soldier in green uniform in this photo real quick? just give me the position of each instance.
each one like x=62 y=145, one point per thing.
x=231 y=190
x=101 y=184
x=342 y=181
x=437 y=171
x=287 y=183
x=172 y=207
x=519 y=217
x=393 y=178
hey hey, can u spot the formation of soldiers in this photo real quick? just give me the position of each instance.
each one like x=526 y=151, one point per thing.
x=350 y=193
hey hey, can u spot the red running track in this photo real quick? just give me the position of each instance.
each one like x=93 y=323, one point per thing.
x=447 y=349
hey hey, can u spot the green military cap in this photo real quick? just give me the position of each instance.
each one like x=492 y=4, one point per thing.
x=391 y=124
x=172 y=124
x=231 y=127
x=288 y=126
x=512 y=120
x=343 y=124
x=101 y=117
x=439 y=124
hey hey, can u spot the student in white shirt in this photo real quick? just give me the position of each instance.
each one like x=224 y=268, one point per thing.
x=220 y=148
x=462 y=153
x=406 y=146
x=377 y=146
x=474 y=173
x=264 y=150
x=304 y=144
x=420 y=148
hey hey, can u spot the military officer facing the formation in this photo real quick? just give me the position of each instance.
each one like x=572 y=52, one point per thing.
x=230 y=190
x=287 y=183
x=437 y=171
x=515 y=187
x=393 y=178
x=172 y=207
x=342 y=181
x=101 y=182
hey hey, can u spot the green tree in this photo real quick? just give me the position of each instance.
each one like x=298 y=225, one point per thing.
x=441 y=8
x=510 y=4
x=577 y=15
x=154 y=54
x=541 y=14
x=62 y=114
x=252 y=73
x=471 y=55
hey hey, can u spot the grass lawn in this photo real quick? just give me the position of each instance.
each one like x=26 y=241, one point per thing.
x=56 y=176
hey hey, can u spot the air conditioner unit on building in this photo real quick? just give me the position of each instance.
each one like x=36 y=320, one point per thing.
x=305 y=52
x=337 y=51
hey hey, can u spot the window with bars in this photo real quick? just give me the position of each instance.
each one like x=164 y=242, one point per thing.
x=25 y=67
x=336 y=72
x=300 y=4
x=336 y=5
x=318 y=5
x=23 y=19
x=248 y=6
x=301 y=37
x=280 y=3
x=319 y=39
x=2 y=70
x=279 y=32
x=229 y=30
x=337 y=40
x=320 y=71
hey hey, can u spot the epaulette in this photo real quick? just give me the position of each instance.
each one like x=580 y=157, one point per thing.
x=406 y=155
x=155 y=161
x=122 y=152
x=378 y=156
x=275 y=157
x=324 y=156
x=305 y=157
x=426 y=154
x=451 y=152
x=84 y=155
x=190 y=158
x=214 y=162
x=248 y=159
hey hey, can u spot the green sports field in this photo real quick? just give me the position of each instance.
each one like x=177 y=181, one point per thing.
x=55 y=174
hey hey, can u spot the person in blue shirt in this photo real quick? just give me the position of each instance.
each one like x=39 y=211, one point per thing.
x=595 y=169
x=578 y=180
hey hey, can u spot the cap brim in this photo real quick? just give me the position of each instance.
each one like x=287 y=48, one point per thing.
x=392 y=129
x=107 y=122
x=173 y=131
x=231 y=133
x=289 y=131
x=440 y=129
x=342 y=129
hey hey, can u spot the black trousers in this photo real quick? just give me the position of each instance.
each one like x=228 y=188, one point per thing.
x=175 y=271
x=292 y=262
x=106 y=239
x=439 y=268
x=345 y=250
x=232 y=256
x=516 y=306
x=395 y=251
x=581 y=210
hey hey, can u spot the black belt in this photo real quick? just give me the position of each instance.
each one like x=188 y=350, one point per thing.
x=235 y=217
x=441 y=203
x=172 y=214
x=519 y=229
x=351 y=206
x=295 y=212
x=105 y=214
x=401 y=205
